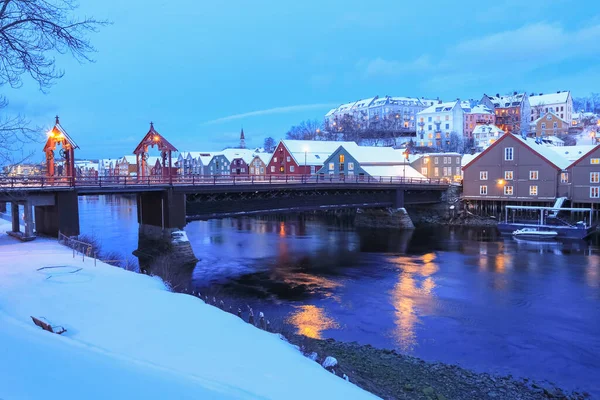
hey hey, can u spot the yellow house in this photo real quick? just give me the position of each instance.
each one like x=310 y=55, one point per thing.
x=550 y=124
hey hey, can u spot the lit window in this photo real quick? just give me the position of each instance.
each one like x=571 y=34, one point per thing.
x=424 y=171
x=331 y=166
x=436 y=171
x=483 y=175
x=508 y=154
x=533 y=175
x=595 y=161
x=425 y=160
x=483 y=190
x=564 y=177
x=595 y=192
x=342 y=158
x=533 y=190
x=594 y=177
x=508 y=190
x=508 y=175
x=350 y=166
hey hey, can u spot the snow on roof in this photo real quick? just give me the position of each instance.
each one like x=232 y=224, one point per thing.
x=545 y=151
x=315 y=151
x=545 y=115
x=550 y=98
x=151 y=161
x=205 y=159
x=480 y=109
x=404 y=170
x=231 y=154
x=364 y=103
x=264 y=157
x=129 y=159
x=467 y=158
x=506 y=101
x=441 y=107
x=487 y=129
x=572 y=153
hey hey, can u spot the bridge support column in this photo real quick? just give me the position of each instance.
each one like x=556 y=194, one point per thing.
x=58 y=214
x=161 y=216
x=28 y=233
x=2 y=207
x=398 y=200
x=391 y=218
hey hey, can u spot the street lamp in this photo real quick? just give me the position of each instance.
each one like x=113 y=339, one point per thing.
x=305 y=155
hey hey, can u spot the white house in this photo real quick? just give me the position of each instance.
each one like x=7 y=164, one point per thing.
x=560 y=103
x=437 y=122
x=485 y=135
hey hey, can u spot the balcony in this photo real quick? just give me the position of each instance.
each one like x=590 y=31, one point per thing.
x=422 y=123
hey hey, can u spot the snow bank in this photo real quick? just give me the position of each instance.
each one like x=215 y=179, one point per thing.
x=127 y=337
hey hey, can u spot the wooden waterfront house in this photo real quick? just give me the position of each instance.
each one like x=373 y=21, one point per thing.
x=584 y=176
x=301 y=157
x=516 y=170
x=192 y=162
x=445 y=166
x=221 y=162
x=258 y=165
x=350 y=161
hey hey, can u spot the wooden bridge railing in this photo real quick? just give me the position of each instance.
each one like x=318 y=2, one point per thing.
x=29 y=182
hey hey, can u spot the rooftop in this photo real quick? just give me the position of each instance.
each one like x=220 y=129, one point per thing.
x=550 y=98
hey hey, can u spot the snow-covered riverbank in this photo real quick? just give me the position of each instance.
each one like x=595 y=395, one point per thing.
x=128 y=337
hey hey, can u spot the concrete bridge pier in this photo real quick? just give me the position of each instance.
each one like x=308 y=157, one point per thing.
x=28 y=231
x=2 y=207
x=161 y=216
x=58 y=212
x=395 y=217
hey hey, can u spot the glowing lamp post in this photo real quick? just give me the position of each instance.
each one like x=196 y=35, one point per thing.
x=305 y=159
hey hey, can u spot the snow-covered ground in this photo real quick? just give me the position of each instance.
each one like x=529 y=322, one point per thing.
x=128 y=337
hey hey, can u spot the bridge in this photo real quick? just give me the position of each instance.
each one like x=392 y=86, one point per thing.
x=169 y=202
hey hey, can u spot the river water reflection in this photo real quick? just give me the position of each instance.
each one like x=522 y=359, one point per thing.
x=463 y=296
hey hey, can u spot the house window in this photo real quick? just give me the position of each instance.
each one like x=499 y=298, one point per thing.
x=281 y=169
x=458 y=160
x=436 y=160
x=262 y=170
x=425 y=160
x=342 y=158
x=243 y=169
x=428 y=127
x=543 y=125
x=331 y=166
x=483 y=190
x=428 y=119
x=252 y=170
x=508 y=154
x=564 y=177
x=457 y=170
x=272 y=168
x=447 y=126
x=350 y=166
x=508 y=190
x=533 y=175
x=555 y=125
x=594 y=177
x=508 y=175
x=483 y=175
x=292 y=168
x=274 y=159
x=533 y=190
x=595 y=192
x=595 y=161
x=288 y=158
x=424 y=171
x=436 y=171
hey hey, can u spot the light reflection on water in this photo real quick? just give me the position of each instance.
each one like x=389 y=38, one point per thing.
x=463 y=296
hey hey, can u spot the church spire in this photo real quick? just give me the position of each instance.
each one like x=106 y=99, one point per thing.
x=242 y=140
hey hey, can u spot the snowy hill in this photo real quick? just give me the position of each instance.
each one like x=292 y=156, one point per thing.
x=128 y=337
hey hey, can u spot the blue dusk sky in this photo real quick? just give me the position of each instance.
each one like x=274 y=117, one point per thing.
x=202 y=70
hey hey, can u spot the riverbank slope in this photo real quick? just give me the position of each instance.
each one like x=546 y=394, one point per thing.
x=129 y=337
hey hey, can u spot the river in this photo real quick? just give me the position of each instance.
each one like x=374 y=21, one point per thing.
x=456 y=295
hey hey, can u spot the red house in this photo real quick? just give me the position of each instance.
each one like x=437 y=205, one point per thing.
x=301 y=157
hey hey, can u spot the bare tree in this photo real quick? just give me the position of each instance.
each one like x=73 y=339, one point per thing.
x=306 y=130
x=31 y=31
x=269 y=145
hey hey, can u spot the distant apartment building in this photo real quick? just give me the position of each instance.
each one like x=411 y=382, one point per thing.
x=438 y=165
x=512 y=112
x=549 y=124
x=485 y=135
x=559 y=103
x=437 y=122
x=475 y=116
x=396 y=112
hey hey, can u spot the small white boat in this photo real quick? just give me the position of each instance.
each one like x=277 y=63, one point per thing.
x=534 y=234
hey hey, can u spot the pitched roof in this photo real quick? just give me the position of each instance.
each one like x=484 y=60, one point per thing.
x=264 y=157
x=543 y=150
x=506 y=101
x=315 y=151
x=545 y=115
x=231 y=154
x=480 y=109
x=488 y=129
x=573 y=153
x=372 y=154
x=550 y=98
x=441 y=107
